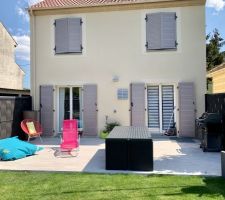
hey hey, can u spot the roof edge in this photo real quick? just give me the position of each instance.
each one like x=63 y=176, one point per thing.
x=9 y=33
x=115 y=6
x=20 y=68
x=217 y=68
x=98 y=5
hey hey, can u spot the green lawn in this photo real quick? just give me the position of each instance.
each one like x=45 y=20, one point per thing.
x=35 y=185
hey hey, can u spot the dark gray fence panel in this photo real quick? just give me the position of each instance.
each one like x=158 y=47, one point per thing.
x=11 y=114
x=215 y=103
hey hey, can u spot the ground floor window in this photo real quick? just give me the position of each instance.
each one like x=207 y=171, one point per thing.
x=161 y=104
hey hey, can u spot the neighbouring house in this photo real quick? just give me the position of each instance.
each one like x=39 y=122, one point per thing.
x=133 y=61
x=11 y=75
x=14 y=92
x=216 y=79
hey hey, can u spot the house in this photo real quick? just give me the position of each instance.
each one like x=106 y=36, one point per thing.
x=11 y=75
x=217 y=78
x=137 y=62
x=14 y=92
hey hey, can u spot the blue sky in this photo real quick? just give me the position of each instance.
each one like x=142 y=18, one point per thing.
x=14 y=17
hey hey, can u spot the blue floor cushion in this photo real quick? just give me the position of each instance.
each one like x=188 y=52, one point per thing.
x=13 y=149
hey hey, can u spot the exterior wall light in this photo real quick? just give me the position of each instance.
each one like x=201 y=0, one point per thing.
x=115 y=78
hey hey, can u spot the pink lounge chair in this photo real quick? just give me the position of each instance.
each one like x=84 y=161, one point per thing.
x=70 y=139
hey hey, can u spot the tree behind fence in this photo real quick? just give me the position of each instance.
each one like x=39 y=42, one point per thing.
x=11 y=114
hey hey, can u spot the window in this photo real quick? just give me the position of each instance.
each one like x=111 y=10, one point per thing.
x=161 y=31
x=160 y=106
x=122 y=94
x=68 y=35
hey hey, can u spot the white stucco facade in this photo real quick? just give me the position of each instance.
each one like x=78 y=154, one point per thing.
x=114 y=44
x=11 y=75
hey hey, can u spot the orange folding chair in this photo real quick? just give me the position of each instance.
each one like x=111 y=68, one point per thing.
x=32 y=128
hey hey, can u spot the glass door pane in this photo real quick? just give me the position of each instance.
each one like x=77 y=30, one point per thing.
x=81 y=106
x=153 y=107
x=64 y=105
x=167 y=106
x=67 y=104
x=76 y=103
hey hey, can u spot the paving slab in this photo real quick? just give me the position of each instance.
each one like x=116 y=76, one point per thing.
x=171 y=156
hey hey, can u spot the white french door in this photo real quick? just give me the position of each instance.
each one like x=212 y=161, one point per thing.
x=160 y=100
x=69 y=104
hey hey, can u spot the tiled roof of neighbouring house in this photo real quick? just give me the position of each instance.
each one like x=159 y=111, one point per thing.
x=51 y=4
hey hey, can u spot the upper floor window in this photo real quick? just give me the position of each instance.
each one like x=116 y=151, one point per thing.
x=161 y=31
x=68 y=35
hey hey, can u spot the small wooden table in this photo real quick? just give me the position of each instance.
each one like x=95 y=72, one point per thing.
x=129 y=148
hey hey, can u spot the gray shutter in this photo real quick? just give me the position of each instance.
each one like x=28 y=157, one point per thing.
x=167 y=106
x=161 y=30
x=61 y=36
x=186 y=109
x=138 y=104
x=168 y=30
x=75 y=35
x=90 y=109
x=153 y=28
x=46 y=109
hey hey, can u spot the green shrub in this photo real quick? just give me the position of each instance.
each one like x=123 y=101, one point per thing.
x=109 y=126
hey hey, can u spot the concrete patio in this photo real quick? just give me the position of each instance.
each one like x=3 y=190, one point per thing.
x=171 y=156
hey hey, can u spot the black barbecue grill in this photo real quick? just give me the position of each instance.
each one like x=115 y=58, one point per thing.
x=211 y=129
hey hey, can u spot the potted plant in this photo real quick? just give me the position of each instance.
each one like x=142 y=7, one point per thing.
x=108 y=128
x=103 y=134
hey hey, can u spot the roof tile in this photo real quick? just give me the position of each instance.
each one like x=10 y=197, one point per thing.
x=45 y=4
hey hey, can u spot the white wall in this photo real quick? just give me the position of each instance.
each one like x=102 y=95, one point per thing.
x=11 y=76
x=114 y=44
